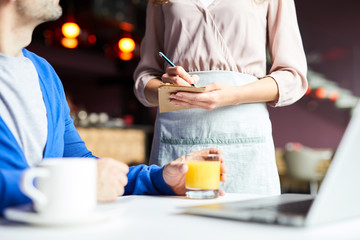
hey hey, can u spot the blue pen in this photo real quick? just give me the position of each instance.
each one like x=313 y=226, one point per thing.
x=171 y=63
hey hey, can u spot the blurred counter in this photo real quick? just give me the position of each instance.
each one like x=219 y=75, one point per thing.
x=129 y=144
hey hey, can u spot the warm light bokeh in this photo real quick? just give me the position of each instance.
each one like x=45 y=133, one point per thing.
x=126 y=45
x=320 y=92
x=126 y=56
x=69 y=42
x=70 y=30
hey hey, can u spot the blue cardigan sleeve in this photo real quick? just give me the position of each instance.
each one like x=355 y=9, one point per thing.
x=147 y=180
x=11 y=194
x=74 y=146
x=12 y=164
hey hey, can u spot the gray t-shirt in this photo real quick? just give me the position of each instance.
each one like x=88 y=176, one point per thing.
x=22 y=106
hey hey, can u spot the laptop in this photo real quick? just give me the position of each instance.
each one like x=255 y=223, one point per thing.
x=337 y=199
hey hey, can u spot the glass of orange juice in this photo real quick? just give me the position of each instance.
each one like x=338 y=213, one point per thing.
x=203 y=177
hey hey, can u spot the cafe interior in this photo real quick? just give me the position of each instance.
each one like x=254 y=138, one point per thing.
x=95 y=47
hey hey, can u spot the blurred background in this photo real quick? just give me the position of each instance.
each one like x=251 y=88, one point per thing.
x=94 y=48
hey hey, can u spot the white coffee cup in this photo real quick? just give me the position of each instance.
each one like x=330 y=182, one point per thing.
x=64 y=187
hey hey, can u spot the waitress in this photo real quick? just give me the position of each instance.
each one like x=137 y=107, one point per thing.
x=222 y=45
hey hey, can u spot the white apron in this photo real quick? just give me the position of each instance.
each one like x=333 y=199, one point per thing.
x=243 y=133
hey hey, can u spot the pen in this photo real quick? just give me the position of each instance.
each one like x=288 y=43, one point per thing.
x=171 y=63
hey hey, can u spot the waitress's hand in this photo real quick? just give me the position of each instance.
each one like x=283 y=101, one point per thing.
x=177 y=75
x=217 y=94
x=174 y=172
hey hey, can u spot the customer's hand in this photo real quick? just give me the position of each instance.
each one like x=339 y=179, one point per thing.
x=111 y=179
x=177 y=75
x=174 y=172
x=217 y=94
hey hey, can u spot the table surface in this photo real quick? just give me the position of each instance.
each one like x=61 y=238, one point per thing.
x=159 y=217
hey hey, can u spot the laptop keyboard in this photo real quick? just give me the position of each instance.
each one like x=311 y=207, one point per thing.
x=292 y=213
x=296 y=208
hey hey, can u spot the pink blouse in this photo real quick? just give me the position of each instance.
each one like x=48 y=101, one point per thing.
x=228 y=35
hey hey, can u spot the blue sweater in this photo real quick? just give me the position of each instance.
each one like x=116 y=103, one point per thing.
x=63 y=141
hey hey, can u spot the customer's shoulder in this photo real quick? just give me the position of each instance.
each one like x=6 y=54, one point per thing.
x=34 y=57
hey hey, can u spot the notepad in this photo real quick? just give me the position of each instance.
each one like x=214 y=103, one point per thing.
x=164 y=96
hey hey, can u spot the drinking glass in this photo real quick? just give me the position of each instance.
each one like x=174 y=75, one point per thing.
x=203 y=176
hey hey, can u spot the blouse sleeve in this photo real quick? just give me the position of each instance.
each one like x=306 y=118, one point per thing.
x=150 y=65
x=289 y=67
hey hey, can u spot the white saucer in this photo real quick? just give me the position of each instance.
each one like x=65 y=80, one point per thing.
x=26 y=214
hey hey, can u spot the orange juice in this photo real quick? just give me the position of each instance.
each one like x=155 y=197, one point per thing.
x=204 y=175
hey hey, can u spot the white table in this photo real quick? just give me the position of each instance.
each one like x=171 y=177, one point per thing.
x=152 y=217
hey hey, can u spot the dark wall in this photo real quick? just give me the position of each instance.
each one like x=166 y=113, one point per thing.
x=296 y=123
x=331 y=36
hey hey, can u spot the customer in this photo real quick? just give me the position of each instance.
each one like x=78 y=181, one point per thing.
x=223 y=43
x=35 y=121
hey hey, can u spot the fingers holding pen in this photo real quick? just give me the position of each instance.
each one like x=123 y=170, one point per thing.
x=166 y=78
x=177 y=75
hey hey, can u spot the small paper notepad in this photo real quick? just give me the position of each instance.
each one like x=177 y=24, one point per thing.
x=164 y=96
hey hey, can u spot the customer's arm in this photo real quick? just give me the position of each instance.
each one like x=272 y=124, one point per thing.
x=10 y=193
x=147 y=180
x=167 y=180
x=12 y=165
x=74 y=146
